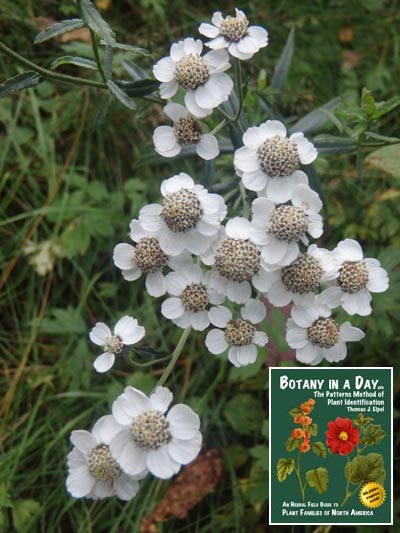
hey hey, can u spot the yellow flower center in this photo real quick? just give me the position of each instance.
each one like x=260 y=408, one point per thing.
x=343 y=435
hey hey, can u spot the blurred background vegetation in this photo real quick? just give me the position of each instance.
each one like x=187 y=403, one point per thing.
x=68 y=193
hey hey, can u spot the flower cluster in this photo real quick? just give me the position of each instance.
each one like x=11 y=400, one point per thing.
x=302 y=436
x=137 y=439
x=217 y=272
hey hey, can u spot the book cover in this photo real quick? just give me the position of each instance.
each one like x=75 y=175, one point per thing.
x=331 y=451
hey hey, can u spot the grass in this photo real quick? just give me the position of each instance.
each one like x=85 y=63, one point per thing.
x=61 y=181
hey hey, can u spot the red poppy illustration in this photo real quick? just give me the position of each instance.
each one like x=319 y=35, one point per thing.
x=342 y=436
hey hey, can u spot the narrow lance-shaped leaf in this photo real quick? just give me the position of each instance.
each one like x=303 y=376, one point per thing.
x=96 y=22
x=103 y=109
x=282 y=67
x=19 y=82
x=59 y=28
x=136 y=89
x=129 y=48
x=74 y=60
x=317 y=117
x=108 y=61
x=120 y=95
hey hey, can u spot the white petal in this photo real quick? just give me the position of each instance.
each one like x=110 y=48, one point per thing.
x=238 y=292
x=218 y=62
x=207 y=148
x=193 y=107
x=130 y=457
x=176 y=183
x=130 y=404
x=149 y=217
x=303 y=196
x=220 y=316
x=175 y=111
x=217 y=43
x=172 y=308
x=260 y=338
x=349 y=333
x=245 y=355
x=206 y=229
x=216 y=342
x=270 y=128
x=80 y=482
x=378 y=280
x=336 y=353
x=310 y=354
x=315 y=226
x=104 y=362
x=278 y=295
x=161 y=464
x=124 y=256
x=160 y=399
x=200 y=320
x=260 y=34
x=349 y=250
x=192 y=46
x=76 y=458
x=296 y=337
x=254 y=311
x=208 y=30
x=83 y=440
x=100 y=333
x=304 y=316
x=217 y=19
x=125 y=487
x=177 y=282
x=164 y=69
x=332 y=297
x=183 y=321
x=246 y=159
x=248 y=45
x=177 y=50
x=128 y=330
x=184 y=422
x=105 y=429
x=232 y=356
x=238 y=228
x=215 y=91
x=253 y=137
x=358 y=303
x=255 y=181
x=103 y=489
x=164 y=139
x=234 y=50
x=275 y=251
x=184 y=451
x=132 y=274
x=169 y=89
x=307 y=151
x=279 y=189
x=156 y=284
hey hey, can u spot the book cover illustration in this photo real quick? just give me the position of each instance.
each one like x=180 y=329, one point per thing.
x=330 y=445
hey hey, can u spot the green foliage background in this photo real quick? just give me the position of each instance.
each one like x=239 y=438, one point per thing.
x=61 y=180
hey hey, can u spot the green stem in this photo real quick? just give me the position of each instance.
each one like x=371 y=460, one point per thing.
x=221 y=125
x=48 y=73
x=246 y=209
x=299 y=477
x=96 y=55
x=238 y=80
x=175 y=355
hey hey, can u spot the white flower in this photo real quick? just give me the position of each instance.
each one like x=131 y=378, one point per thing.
x=277 y=230
x=315 y=335
x=146 y=258
x=235 y=34
x=186 y=131
x=269 y=160
x=202 y=77
x=191 y=297
x=150 y=439
x=236 y=261
x=188 y=219
x=43 y=255
x=240 y=336
x=298 y=281
x=93 y=471
x=126 y=332
x=357 y=278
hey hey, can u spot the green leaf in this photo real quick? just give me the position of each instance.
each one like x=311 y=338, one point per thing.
x=129 y=48
x=138 y=88
x=135 y=72
x=373 y=434
x=96 y=22
x=63 y=321
x=318 y=479
x=5 y=499
x=319 y=449
x=312 y=429
x=386 y=159
x=58 y=28
x=368 y=102
x=245 y=414
x=366 y=468
x=19 y=82
x=292 y=444
x=295 y=412
x=145 y=352
x=330 y=144
x=108 y=61
x=382 y=138
x=385 y=107
x=260 y=453
x=73 y=60
x=318 y=117
x=25 y=513
x=103 y=109
x=282 y=67
x=284 y=468
x=121 y=95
